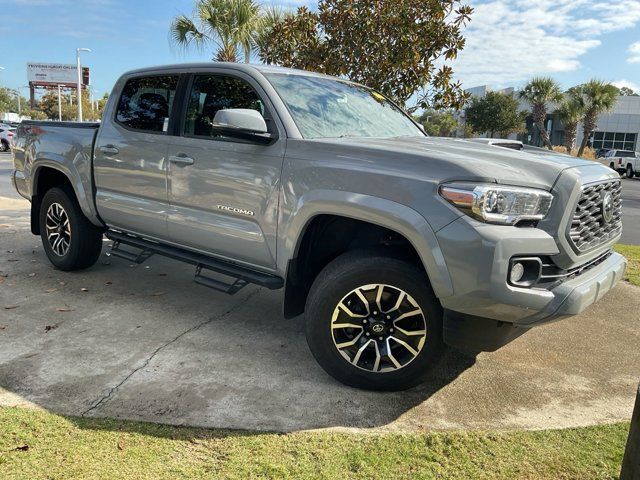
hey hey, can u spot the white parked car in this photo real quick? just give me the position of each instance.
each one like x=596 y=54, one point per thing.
x=6 y=135
x=623 y=161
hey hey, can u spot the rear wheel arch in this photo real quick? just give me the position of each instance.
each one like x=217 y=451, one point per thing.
x=44 y=179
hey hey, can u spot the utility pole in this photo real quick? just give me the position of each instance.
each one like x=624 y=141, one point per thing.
x=78 y=50
x=59 y=104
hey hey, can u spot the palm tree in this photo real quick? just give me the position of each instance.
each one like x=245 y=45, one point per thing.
x=540 y=92
x=598 y=97
x=570 y=111
x=229 y=24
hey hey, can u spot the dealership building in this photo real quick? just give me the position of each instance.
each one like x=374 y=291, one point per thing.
x=618 y=129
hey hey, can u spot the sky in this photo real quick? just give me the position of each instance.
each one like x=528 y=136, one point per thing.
x=508 y=41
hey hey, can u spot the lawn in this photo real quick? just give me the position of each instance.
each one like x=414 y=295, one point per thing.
x=37 y=444
x=632 y=252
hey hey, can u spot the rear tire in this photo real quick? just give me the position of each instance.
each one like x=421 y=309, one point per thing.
x=630 y=173
x=4 y=146
x=70 y=240
x=384 y=363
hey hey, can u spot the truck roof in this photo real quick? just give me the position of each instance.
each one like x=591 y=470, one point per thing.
x=245 y=67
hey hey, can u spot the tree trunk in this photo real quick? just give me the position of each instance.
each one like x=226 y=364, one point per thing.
x=570 y=129
x=227 y=53
x=539 y=112
x=588 y=127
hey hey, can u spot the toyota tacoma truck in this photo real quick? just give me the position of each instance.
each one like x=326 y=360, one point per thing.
x=391 y=243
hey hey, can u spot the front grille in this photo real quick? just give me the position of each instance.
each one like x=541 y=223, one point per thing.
x=588 y=227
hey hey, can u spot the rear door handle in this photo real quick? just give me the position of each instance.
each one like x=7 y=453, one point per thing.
x=181 y=159
x=109 y=149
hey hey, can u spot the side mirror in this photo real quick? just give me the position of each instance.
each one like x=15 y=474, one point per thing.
x=242 y=123
x=242 y=118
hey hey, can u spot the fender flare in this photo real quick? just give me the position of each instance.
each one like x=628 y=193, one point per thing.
x=80 y=182
x=379 y=211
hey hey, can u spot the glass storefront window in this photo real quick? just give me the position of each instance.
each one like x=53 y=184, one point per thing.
x=614 y=140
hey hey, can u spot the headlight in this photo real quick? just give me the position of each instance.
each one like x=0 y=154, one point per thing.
x=502 y=204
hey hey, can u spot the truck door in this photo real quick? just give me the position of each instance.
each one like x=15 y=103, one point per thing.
x=223 y=192
x=130 y=165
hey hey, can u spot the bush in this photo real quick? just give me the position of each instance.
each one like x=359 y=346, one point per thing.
x=588 y=153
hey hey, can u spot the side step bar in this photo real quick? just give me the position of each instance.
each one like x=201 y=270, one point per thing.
x=241 y=275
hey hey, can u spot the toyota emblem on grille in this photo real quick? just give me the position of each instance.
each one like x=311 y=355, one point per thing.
x=607 y=207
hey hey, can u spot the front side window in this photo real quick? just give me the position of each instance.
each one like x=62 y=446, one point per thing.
x=146 y=102
x=332 y=108
x=212 y=93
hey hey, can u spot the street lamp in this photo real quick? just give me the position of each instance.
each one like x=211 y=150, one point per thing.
x=78 y=50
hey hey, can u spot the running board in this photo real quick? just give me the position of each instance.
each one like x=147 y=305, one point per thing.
x=241 y=275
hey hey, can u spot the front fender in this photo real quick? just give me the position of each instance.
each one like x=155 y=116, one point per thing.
x=385 y=213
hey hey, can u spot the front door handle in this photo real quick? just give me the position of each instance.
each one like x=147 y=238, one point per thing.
x=181 y=159
x=109 y=149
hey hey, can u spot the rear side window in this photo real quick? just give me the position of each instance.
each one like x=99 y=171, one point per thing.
x=211 y=93
x=145 y=103
x=625 y=154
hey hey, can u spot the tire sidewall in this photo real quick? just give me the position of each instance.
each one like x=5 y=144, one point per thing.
x=334 y=283
x=72 y=257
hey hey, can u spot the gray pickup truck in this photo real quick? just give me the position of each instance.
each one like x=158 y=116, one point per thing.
x=393 y=244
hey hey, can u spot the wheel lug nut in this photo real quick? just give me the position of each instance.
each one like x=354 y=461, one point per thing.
x=364 y=321
x=388 y=317
x=391 y=330
x=368 y=334
x=380 y=338
x=375 y=313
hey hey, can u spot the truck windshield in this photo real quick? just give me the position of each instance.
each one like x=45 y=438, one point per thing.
x=331 y=108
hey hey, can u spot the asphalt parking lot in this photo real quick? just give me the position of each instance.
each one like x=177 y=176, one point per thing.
x=144 y=342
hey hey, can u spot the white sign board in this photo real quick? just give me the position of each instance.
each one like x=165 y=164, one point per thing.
x=53 y=73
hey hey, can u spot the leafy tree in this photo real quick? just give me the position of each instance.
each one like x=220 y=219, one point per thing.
x=570 y=111
x=540 y=92
x=495 y=113
x=627 y=92
x=397 y=47
x=48 y=105
x=9 y=101
x=230 y=25
x=438 y=124
x=597 y=97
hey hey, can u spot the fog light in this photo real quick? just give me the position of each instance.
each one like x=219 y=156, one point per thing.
x=517 y=272
x=524 y=271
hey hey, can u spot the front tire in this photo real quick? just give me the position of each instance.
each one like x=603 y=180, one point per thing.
x=373 y=322
x=70 y=240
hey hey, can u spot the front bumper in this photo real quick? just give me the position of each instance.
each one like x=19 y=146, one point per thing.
x=478 y=255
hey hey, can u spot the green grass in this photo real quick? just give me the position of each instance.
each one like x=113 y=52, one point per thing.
x=632 y=252
x=67 y=447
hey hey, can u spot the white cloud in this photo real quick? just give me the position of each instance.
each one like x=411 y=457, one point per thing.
x=626 y=83
x=509 y=41
x=634 y=53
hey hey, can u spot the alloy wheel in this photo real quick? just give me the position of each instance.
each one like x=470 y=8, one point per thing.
x=58 y=229
x=378 y=328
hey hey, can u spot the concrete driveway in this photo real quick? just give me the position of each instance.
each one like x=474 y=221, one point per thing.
x=145 y=343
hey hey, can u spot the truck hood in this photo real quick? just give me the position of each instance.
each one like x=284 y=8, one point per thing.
x=446 y=159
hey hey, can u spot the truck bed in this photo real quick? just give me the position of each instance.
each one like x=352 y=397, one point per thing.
x=63 y=146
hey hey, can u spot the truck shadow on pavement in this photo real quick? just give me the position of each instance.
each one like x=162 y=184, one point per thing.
x=145 y=343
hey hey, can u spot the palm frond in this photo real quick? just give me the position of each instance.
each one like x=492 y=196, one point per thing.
x=184 y=32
